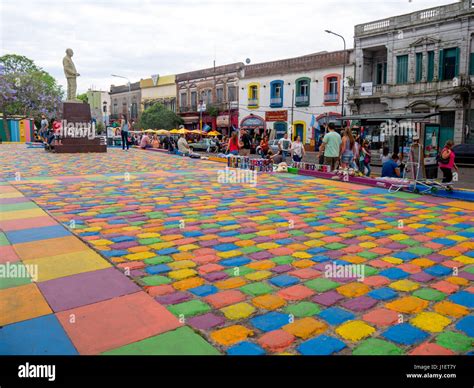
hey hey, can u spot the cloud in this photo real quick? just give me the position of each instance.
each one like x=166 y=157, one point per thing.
x=139 y=38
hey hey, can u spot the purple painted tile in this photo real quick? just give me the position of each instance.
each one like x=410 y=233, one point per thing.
x=214 y=276
x=282 y=268
x=422 y=277
x=395 y=246
x=137 y=273
x=206 y=321
x=362 y=303
x=207 y=244
x=124 y=245
x=262 y=239
x=466 y=275
x=262 y=255
x=175 y=297
x=86 y=288
x=328 y=298
x=6 y=201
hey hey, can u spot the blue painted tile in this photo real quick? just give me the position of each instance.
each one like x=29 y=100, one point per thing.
x=438 y=270
x=204 y=290
x=38 y=336
x=463 y=298
x=35 y=234
x=284 y=280
x=394 y=273
x=245 y=349
x=270 y=321
x=466 y=325
x=336 y=315
x=405 y=334
x=384 y=293
x=321 y=346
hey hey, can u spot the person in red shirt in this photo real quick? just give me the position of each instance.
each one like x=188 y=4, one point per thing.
x=233 y=145
x=264 y=145
x=446 y=162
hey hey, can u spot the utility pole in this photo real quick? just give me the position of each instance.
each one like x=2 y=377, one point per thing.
x=292 y=109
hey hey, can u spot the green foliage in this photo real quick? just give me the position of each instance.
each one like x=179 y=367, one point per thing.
x=83 y=97
x=157 y=116
x=100 y=127
x=212 y=110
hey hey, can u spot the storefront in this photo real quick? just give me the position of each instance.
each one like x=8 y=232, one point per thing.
x=254 y=124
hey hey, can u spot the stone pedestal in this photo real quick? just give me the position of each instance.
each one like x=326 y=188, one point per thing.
x=77 y=113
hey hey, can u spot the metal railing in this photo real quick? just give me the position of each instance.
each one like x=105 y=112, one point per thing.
x=331 y=97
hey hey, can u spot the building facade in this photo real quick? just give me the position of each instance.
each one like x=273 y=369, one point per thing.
x=125 y=101
x=294 y=95
x=158 y=89
x=420 y=62
x=217 y=89
x=99 y=101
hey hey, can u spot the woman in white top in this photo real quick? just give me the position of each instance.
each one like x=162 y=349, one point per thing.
x=297 y=150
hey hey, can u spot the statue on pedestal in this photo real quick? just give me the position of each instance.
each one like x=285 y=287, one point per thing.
x=71 y=73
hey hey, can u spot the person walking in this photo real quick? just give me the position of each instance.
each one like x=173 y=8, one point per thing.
x=284 y=145
x=233 y=144
x=446 y=161
x=297 y=150
x=331 y=147
x=44 y=128
x=124 y=128
x=365 y=158
x=347 y=148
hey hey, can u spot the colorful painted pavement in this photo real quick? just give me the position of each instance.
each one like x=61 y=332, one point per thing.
x=193 y=266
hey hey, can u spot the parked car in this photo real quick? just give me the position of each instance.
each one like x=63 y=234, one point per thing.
x=203 y=145
x=464 y=154
x=272 y=145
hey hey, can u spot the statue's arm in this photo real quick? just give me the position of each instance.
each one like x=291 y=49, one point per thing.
x=69 y=68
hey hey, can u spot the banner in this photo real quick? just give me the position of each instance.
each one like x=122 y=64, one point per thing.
x=276 y=115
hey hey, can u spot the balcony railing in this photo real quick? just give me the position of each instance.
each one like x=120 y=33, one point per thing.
x=302 y=100
x=277 y=101
x=184 y=109
x=252 y=102
x=331 y=97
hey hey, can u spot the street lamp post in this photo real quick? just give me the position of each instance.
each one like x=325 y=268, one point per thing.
x=129 y=95
x=343 y=70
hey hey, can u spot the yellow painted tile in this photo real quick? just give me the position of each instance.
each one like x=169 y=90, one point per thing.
x=140 y=256
x=431 y=322
x=229 y=254
x=302 y=255
x=186 y=284
x=404 y=285
x=354 y=289
x=258 y=275
x=229 y=283
x=238 y=311
x=269 y=302
x=181 y=264
x=67 y=264
x=355 y=330
x=188 y=247
x=22 y=303
x=303 y=263
x=261 y=265
x=182 y=274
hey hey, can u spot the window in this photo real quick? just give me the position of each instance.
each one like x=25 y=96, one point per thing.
x=134 y=110
x=220 y=94
x=183 y=99
x=402 y=69
x=206 y=96
x=430 y=73
x=193 y=100
x=276 y=94
x=381 y=73
x=419 y=67
x=302 y=91
x=232 y=93
x=448 y=63
x=253 y=95
x=471 y=64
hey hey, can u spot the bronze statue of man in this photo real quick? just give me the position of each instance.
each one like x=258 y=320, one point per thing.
x=71 y=73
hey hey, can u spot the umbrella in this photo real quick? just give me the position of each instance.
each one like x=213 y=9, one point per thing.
x=213 y=133
x=174 y=131
x=182 y=131
x=198 y=132
x=162 y=132
x=149 y=131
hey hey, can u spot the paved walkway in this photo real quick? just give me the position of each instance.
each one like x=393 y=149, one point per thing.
x=158 y=257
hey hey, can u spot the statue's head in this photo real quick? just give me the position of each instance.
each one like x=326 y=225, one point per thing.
x=69 y=52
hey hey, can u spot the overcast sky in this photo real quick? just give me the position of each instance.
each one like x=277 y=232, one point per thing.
x=137 y=38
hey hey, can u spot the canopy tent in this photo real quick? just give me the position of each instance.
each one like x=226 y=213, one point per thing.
x=214 y=133
x=162 y=132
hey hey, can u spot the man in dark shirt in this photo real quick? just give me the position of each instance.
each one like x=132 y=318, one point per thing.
x=390 y=168
x=246 y=142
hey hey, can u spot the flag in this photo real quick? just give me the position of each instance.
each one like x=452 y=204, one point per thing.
x=313 y=121
x=206 y=128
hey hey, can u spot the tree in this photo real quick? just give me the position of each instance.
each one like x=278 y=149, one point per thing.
x=83 y=97
x=157 y=116
x=26 y=90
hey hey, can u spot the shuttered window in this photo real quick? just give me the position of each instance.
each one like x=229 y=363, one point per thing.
x=402 y=69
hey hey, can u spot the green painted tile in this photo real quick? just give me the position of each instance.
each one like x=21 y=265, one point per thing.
x=376 y=347
x=242 y=270
x=158 y=260
x=155 y=280
x=455 y=341
x=321 y=284
x=303 y=309
x=179 y=342
x=190 y=308
x=282 y=260
x=429 y=294
x=256 y=289
x=13 y=275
